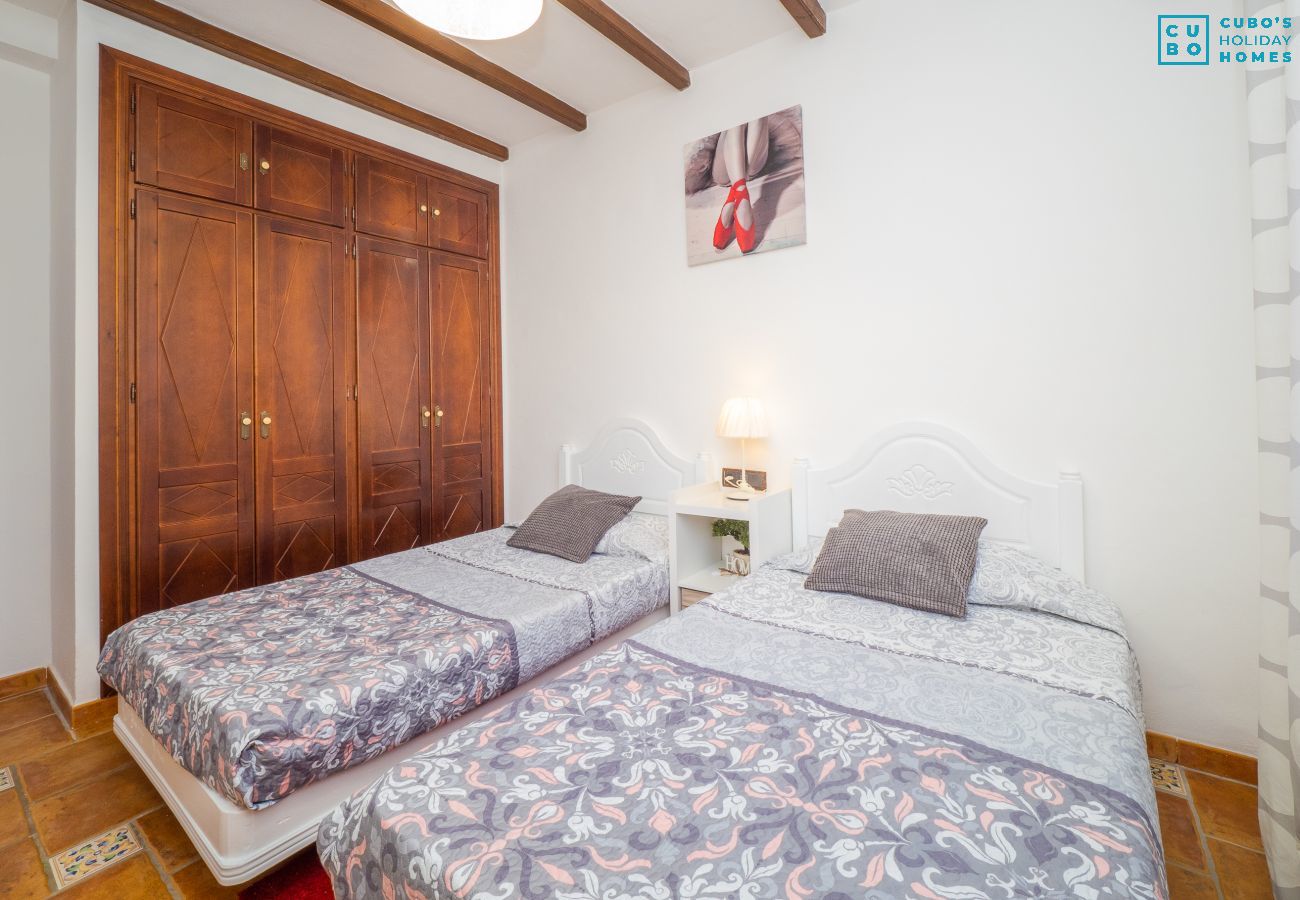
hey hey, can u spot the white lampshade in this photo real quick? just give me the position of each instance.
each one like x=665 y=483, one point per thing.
x=742 y=417
x=477 y=20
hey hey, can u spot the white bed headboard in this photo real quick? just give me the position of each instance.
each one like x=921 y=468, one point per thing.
x=926 y=468
x=627 y=457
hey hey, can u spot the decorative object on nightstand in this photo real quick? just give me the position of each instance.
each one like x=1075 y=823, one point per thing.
x=703 y=521
x=743 y=418
x=757 y=478
x=734 y=561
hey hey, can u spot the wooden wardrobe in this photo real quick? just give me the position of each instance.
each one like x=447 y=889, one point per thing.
x=300 y=357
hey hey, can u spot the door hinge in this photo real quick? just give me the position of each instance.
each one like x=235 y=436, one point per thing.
x=132 y=160
x=133 y=209
x=133 y=392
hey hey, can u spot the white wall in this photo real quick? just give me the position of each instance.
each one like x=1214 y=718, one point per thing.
x=63 y=302
x=26 y=47
x=1018 y=226
x=94 y=27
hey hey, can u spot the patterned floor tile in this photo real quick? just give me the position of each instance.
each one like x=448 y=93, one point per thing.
x=1167 y=777
x=95 y=855
x=6 y=778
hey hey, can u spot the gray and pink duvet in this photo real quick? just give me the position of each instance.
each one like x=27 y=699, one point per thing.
x=777 y=742
x=262 y=691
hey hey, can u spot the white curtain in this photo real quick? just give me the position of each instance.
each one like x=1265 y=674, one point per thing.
x=1273 y=110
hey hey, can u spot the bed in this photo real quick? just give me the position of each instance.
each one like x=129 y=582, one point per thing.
x=255 y=712
x=778 y=742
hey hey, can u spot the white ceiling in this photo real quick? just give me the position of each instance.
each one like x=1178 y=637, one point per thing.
x=560 y=54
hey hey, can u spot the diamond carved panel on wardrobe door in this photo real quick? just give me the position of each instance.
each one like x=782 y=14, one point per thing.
x=197 y=342
x=303 y=347
x=302 y=462
x=194 y=569
x=389 y=198
x=460 y=219
x=194 y=330
x=392 y=392
x=394 y=355
x=463 y=514
x=197 y=148
x=398 y=530
x=460 y=358
x=304 y=547
x=459 y=469
x=461 y=354
x=299 y=176
x=189 y=502
x=311 y=487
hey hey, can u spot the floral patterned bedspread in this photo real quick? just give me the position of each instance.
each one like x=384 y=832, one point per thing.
x=262 y=691
x=774 y=742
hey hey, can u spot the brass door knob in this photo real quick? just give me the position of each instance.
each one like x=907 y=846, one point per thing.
x=424 y=208
x=437 y=212
x=265 y=166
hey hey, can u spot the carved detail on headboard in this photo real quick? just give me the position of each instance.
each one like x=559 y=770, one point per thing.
x=918 y=481
x=924 y=467
x=627 y=462
x=627 y=457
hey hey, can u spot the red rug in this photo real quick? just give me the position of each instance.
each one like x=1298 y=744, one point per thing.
x=301 y=878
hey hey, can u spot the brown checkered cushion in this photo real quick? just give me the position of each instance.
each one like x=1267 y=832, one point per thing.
x=571 y=522
x=919 y=561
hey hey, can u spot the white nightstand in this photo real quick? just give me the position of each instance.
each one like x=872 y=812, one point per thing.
x=695 y=555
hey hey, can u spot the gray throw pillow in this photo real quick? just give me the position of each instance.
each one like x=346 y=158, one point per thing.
x=571 y=522
x=919 y=561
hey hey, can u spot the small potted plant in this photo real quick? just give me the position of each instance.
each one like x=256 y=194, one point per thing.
x=734 y=561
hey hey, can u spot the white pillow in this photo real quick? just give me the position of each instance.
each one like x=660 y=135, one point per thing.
x=639 y=535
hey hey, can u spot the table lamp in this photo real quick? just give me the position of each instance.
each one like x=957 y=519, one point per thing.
x=744 y=418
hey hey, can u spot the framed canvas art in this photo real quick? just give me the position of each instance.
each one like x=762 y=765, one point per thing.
x=745 y=189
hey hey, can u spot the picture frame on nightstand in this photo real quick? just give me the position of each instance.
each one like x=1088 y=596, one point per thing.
x=695 y=555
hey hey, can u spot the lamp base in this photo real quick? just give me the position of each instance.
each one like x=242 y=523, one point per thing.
x=738 y=495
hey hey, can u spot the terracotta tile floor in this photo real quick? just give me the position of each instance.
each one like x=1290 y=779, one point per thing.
x=67 y=809
x=81 y=820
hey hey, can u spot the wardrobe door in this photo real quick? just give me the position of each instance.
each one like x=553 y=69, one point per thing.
x=299 y=176
x=300 y=430
x=193 y=147
x=392 y=201
x=194 y=379
x=459 y=219
x=462 y=432
x=393 y=414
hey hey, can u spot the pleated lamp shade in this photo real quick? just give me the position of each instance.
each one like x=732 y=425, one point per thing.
x=742 y=417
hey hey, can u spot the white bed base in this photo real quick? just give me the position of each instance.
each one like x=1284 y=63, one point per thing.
x=238 y=844
x=927 y=468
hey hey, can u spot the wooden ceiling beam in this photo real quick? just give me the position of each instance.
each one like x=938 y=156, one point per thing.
x=809 y=14
x=630 y=39
x=398 y=25
x=196 y=31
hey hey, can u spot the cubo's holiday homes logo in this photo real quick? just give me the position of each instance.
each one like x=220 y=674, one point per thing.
x=1186 y=40
x=1183 y=39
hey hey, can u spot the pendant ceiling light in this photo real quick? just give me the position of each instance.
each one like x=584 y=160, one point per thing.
x=476 y=20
